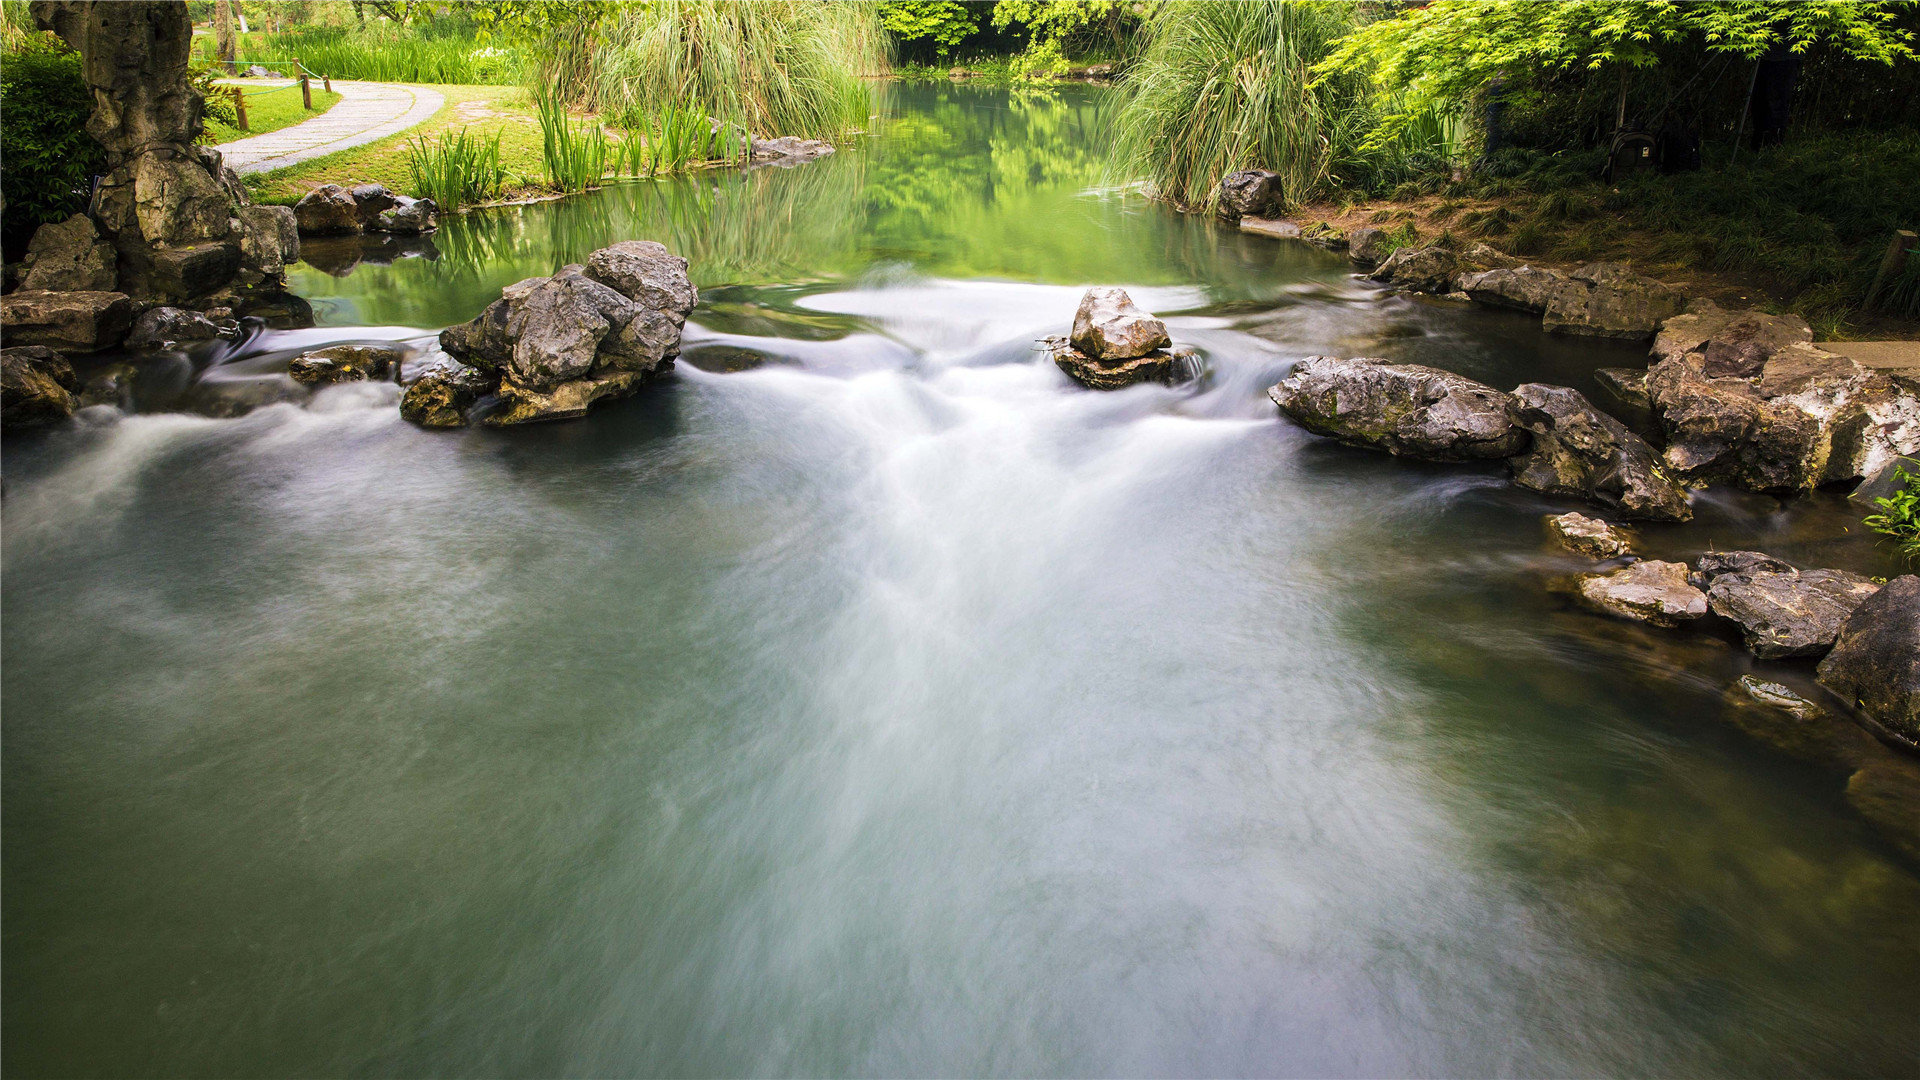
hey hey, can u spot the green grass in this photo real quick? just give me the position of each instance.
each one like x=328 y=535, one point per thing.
x=780 y=67
x=575 y=151
x=381 y=52
x=268 y=109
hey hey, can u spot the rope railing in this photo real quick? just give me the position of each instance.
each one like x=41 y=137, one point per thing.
x=304 y=82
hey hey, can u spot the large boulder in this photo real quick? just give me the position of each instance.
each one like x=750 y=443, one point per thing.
x=1788 y=613
x=72 y=322
x=1587 y=536
x=1652 y=591
x=345 y=363
x=1368 y=246
x=36 y=387
x=1109 y=327
x=271 y=242
x=1432 y=269
x=1732 y=342
x=163 y=327
x=1578 y=450
x=647 y=273
x=1251 y=193
x=558 y=329
x=369 y=202
x=444 y=394
x=407 y=217
x=483 y=342
x=1524 y=288
x=70 y=256
x=1159 y=366
x=328 y=210
x=1608 y=300
x=1711 y=565
x=1875 y=662
x=1405 y=409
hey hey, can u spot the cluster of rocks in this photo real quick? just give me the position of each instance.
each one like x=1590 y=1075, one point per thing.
x=1114 y=344
x=331 y=210
x=1552 y=437
x=1869 y=633
x=551 y=347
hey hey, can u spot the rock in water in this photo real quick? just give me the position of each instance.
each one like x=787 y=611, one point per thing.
x=1777 y=716
x=1654 y=592
x=345 y=363
x=72 y=322
x=36 y=387
x=1109 y=327
x=442 y=396
x=1524 y=288
x=1432 y=269
x=1587 y=536
x=1405 y=409
x=369 y=202
x=1788 y=613
x=1579 y=450
x=1715 y=563
x=1368 y=246
x=408 y=217
x=1251 y=193
x=787 y=151
x=70 y=256
x=1875 y=662
x=1608 y=300
x=328 y=210
x=271 y=242
x=1270 y=227
x=1159 y=366
x=648 y=274
x=163 y=326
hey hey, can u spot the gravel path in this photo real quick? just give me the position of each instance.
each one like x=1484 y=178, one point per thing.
x=366 y=111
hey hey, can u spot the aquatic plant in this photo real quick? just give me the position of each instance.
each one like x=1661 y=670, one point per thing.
x=1899 y=516
x=1222 y=87
x=784 y=67
x=575 y=150
x=674 y=139
x=456 y=168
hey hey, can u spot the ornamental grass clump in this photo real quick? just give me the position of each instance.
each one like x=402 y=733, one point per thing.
x=455 y=169
x=576 y=151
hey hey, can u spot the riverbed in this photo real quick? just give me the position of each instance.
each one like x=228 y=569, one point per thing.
x=867 y=698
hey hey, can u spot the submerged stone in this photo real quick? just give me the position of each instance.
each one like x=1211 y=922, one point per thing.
x=1591 y=537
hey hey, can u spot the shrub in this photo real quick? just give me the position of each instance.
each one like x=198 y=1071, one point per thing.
x=1899 y=516
x=50 y=158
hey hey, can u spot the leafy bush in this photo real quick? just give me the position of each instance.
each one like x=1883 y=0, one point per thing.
x=1899 y=516
x=50 y=158
x=456 y=169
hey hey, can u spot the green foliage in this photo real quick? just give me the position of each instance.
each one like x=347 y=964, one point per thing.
x=1227 y=86
x=575 y=150
x=50 y=158
x=383 y=52
x=1439 y=57
x=676 y=139
x=1059 y=27
x=1899 y=516
x=783 y=67
x=455 y=169
x=946 y=23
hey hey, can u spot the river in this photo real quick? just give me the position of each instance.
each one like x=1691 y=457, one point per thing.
x=868 y=699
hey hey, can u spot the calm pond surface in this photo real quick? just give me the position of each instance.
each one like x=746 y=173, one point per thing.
x=867 y=698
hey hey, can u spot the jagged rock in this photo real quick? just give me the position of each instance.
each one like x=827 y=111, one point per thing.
x=112 y=385
x=164 y=326
x=36 y=387
x=1368 y=246
x=1405 y=409
x=255 y=71
x=70 y=256
x=1626 y=386
x=787 y=151
x=564 y=401
x=188 y=271
x=344 y=363
x=1591 y=537
x=483 y=342
x=1270 y=227
x=1108 y=327
x=369 y=202
x=1579 y=450
x=1251 y=193
x=1875 y=662
x=1712 y=564
x=558 y=328
x=271 y=242
x=72 y=322
x=1426 y=269
x=1738 y=339
x=1790 y=613
x=443 y=395
x=1525 y=288
x=1652 y=591
x=328 y=210
x=1614 y=303
x=646 y=273
x=1158 y=366
x=408 y=217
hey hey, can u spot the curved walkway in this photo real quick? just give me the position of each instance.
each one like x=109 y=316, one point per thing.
x=366 y=111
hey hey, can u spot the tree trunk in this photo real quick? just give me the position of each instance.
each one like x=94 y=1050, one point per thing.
x=223 y=34
x=241 y=14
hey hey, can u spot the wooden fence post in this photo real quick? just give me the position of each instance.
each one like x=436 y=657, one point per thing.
x=326 y=83
x=1892 y=263
x=306 y=93
x=240 y=107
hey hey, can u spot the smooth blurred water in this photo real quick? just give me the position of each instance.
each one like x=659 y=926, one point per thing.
x=869 y=699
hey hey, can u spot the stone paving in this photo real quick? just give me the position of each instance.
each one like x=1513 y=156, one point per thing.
x=366 y=111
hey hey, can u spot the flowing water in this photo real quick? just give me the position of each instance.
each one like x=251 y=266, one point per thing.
x=868 y=699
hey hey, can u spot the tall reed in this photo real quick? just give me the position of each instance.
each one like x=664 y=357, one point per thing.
x=1227 y=86
x=391 y=54
x=575 y=150
x=456 y=169
x=675 y=139
x=782 y=67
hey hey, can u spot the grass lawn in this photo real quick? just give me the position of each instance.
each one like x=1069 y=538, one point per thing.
x=270 y=109
x=482 y=110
